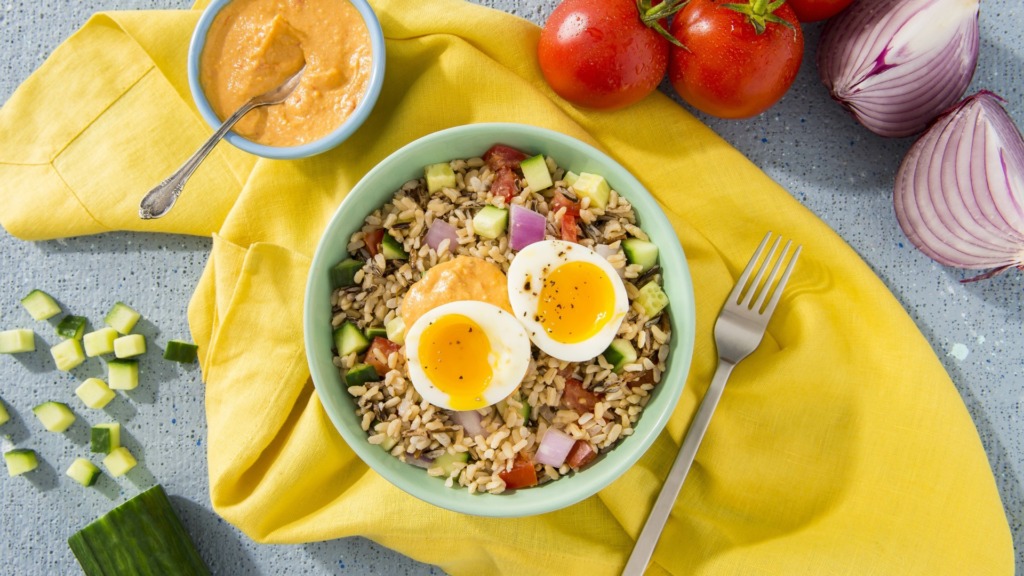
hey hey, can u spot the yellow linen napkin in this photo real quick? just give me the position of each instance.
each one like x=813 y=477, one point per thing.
x=839 y=447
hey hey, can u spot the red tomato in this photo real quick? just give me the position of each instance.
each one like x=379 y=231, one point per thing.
x=730 y=70
x=501 y=156
x=522 y=474
x=581 y=454
x=600 y=54
x=504 y=184
x=814 y=10
x=386 y=347
x=572 y=211
x=373 y=241
x=578 y=398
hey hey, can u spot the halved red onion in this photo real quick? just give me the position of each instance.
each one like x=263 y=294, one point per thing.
x=959 y=194
x=553 y=448
x=897 y=64
x=470 y=420
x=526 y=227
x=440 y=230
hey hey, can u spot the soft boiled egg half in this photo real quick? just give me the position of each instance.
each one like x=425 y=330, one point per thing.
x=569 y=298
x=466 y=355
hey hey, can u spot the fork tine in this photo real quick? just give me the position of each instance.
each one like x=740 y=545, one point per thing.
x=734 y=296
x=752 y=291
x=782 y=282
x=766 y=289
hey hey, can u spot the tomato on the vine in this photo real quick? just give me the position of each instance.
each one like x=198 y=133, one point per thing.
x=605 y=54
x=740 y=58
x=814 y=10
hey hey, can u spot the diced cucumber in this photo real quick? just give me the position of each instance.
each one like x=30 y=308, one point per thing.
x=122 y=317
x=450 y=462
x=570 y=178
x=619 y=353
x=40 y=305
x=490 y=221
x=123 y=374
x=439 y=176
x=83 y=472
x=392 y=249
x=640 y=252
x=20 y=461
x=361 y=374
x=68 y=354
x=71 y=326
x=535 y=170
x=130 y=345
x=344 y=273
x=4 y=416
x=55 y=416
x=142 y=537
x=375 y=331
x=181 y=351
x=652 y=298
x=100 y=341
x=594 y=187
x=119 y=461
x=95 y=393
x=395 y=329
x=17 y=341
x=105 y=437
x=349 y=339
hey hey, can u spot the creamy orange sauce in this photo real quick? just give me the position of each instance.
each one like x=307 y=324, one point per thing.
x=462 y=278
x=254 y=45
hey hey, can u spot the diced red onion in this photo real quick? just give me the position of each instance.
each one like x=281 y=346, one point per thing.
x=419 y=461
x=959 y=194
x=525 y=227
x=470 y=421
x=897 y=64
x=553 y=448
x=440 y=230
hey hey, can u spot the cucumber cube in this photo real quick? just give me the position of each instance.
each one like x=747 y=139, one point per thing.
x=535 y=170
x=71 y=326
x=68 y=354
x=344 y=273
x=123 y=374
x=4 y=416
x=619 y=353
x=490 y=221
x=122 y=318
x=104 y=438
x=392 y=249
x=20 y=461
x=396 y=330
x=361 y=374
x=83 y=472
x=17 y=341
x=40 y=305
x=100 y=341
x=439 y=176
x=640 y=252
x=95 y=393
x=376 y=331
x=449 y=462
x=594 y=187
x=130 y=345
x=55 y=416
x=348 y=338
x=570 y=178
x=119 y=461
x=179 y=351
x=652 y=298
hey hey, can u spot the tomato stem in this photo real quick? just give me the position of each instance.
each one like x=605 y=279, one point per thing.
x=760 y=12
x=652 y=16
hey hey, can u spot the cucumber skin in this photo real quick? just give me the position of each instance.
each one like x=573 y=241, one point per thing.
x=141 y=537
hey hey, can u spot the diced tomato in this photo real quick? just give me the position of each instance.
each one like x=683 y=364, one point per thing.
x=504 y=184
x=501 y=156
x=373 y=239
x=581 y=454
x=578 y=398
x=560 y=200
x=386 y=347
x=522 y=474
x=569 y=228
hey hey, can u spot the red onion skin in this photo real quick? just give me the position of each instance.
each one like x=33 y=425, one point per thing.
x=873 y=60
x=959 y=192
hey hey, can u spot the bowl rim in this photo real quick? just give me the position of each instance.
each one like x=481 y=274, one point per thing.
x=518 y=503
x=333 y=138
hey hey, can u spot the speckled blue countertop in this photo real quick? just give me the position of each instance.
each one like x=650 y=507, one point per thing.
x=837 y=169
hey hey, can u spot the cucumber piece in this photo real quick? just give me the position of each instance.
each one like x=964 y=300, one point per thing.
x=119 y=462
x=450 y=462
x=122 y=317
x=4 y=416
x=640 y=252
x=344 y=273
x=389 y=441
x=123 y=374
x=376 y=331
x=142 y=537
x=17 y=341
x=84 y=472
x=439 y=176
x=570 y=178
x=490 y=221
x=392 y=249
x=361 y=374
x=130 y=345
x=95 y=393
x=100 y=342
x=68 y=354
x=20 y=461
x=40 y=305
x=652 y=298
x=104 y=438
x=619 y=353
x=55 y=416
x=348 y=339
x=180 y=351
x=396 y=330
x=594 y=187
x=535 y=170
x=71 y=326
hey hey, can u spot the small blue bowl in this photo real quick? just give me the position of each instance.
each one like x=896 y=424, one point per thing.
x=342 y=132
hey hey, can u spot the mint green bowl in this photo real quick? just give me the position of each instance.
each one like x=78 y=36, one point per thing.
x=373 y=191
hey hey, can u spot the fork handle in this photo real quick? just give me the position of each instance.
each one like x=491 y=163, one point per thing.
x=648 y=539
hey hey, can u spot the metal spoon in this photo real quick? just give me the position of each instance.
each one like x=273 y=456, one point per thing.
x=159 y=200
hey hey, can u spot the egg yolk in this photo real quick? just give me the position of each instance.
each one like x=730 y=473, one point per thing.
x=575 y=302
x=454 y=353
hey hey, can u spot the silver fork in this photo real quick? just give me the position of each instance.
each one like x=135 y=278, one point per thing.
x=738 y=332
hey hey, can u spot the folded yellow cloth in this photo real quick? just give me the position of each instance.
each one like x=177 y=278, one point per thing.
x=839 y=447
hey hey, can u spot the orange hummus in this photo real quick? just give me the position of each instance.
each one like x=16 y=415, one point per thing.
x=254 y=45
x=462 y=278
